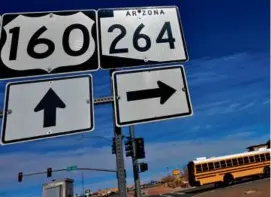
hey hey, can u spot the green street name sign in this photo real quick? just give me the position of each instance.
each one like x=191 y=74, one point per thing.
x=71 y=168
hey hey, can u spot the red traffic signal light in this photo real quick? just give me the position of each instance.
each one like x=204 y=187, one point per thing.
x=20 y=177
x=49 y=172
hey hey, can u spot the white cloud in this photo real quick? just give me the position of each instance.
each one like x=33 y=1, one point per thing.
x=228 y=107
x=240 y=134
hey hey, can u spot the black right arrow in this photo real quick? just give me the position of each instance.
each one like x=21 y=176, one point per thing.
x=163 y=91
x=49 y=103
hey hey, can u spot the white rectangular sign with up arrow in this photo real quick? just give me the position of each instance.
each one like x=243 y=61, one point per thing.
x=47 y=108
x=147 y=95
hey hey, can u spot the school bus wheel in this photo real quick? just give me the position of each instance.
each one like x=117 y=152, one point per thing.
x=228 y=179
x=266 y=171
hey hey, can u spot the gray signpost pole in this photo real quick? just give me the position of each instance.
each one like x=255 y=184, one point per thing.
x=135 y=163
x=121 y=174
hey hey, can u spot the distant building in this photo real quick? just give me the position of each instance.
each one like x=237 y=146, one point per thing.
x=58 y=188
x=105 y=192
x=259 y=146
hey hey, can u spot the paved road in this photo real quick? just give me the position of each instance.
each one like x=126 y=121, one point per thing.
x=175 y=194
x=187 y=192
x=182 y=194
x=206 y=189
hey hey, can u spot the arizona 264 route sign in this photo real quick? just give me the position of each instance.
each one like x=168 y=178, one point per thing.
x=48 y=43
x=140 y=36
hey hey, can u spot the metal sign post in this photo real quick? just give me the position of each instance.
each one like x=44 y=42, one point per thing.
x=135 y=163
x=121 y=173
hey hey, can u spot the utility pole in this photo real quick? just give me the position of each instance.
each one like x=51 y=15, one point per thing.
x=135 y=163
x=168 y=171
x=83 y=186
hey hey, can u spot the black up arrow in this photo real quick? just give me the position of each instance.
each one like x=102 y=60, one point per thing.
x=164 y=92
x=49 y=103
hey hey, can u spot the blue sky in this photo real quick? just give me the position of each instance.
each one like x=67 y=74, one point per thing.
x=228 y=77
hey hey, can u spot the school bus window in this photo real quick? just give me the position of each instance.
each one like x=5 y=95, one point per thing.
x=246 y=160
x=229 y=164
x=240 y=161
x=262 y=157
x=204 y=167
x=257 y=158
x=223 y=164
x=211 y=165
x=217 y=165
x=234 y=162
x=198 y=168
x=267 y=155
x=251 y=159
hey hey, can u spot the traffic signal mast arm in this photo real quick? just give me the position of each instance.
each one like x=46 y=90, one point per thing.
x=49 y=172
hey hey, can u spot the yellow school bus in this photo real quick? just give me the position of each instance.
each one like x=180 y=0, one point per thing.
x=227 y=169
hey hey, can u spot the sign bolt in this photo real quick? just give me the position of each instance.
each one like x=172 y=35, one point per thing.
x=88 y=101
x=49 y=69
x=139 y=14
x=9 y=111
x=49 y=132
x=51 y=15
x=183 y=89
x=146 y=59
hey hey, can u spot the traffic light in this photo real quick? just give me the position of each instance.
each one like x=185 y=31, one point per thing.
x=114 y=146
x=20 y=177
x=129 y=147
x=140 y=148
x=49 y=172
x=143 y=167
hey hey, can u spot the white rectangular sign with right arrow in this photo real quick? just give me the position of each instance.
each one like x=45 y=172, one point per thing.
x=47 y=108
x=153 y=94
